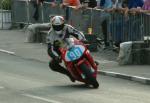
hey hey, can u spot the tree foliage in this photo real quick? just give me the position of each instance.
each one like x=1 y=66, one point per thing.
x=5 y=4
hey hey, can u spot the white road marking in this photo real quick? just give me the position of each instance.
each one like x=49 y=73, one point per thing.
x=140 y=77
x=5 y=51
x=41 y=98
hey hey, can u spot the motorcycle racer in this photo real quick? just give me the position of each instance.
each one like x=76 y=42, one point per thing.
x=59 y=31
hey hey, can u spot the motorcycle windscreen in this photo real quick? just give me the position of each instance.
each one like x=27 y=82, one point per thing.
x=74 y=53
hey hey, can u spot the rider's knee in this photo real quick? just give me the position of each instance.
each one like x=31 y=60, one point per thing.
x=53 y=66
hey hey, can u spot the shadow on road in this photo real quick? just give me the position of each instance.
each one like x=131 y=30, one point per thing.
x=58 y=89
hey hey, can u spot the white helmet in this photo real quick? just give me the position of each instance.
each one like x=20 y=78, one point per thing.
x=57 y=23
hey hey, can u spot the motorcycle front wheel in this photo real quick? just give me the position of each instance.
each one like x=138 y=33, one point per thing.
x=89 y=75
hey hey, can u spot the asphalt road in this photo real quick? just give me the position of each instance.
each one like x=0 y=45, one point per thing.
x=29 y=81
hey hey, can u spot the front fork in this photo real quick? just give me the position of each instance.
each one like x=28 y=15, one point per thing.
x=91 y=60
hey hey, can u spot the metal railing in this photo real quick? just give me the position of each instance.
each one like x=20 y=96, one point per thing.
x=120 y=27
x=126 y=28
x=5 y=16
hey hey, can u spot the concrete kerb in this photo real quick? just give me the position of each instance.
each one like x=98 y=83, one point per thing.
x=106 y=73
x=125 y=76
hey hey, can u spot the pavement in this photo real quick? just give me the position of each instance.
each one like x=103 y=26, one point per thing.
x=13 y=42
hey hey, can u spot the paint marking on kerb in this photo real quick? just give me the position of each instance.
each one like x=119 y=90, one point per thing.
x=41 y=98
x=105 y=61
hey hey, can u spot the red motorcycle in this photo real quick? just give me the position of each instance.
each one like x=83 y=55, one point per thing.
x=79 y=62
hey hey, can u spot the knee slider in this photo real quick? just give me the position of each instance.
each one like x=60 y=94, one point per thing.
x=53 y=66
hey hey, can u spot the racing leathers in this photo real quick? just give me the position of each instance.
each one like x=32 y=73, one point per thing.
x=53 y=52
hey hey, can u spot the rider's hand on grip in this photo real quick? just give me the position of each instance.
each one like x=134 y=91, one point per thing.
x=85 y=41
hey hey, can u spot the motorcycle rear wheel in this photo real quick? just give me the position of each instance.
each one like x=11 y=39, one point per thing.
x=88 y=75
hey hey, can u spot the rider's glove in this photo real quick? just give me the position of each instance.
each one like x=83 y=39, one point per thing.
x=85 y=41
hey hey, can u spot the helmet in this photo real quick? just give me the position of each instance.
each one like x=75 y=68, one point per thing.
x=57 y=23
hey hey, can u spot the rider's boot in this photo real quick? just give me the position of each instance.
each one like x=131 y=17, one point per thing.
x=58 y=68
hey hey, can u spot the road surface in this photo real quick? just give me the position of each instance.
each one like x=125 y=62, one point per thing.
x=30 y=81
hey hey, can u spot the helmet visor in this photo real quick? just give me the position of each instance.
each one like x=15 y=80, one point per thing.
x=58 y=27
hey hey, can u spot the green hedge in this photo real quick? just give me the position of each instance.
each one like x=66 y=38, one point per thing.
x=6 y=4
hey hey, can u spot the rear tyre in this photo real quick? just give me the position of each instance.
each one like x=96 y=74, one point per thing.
x=88 y=75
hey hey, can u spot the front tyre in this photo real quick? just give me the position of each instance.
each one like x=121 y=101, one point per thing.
x=89 y=75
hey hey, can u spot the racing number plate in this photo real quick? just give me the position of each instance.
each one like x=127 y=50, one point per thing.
x=74 y=53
